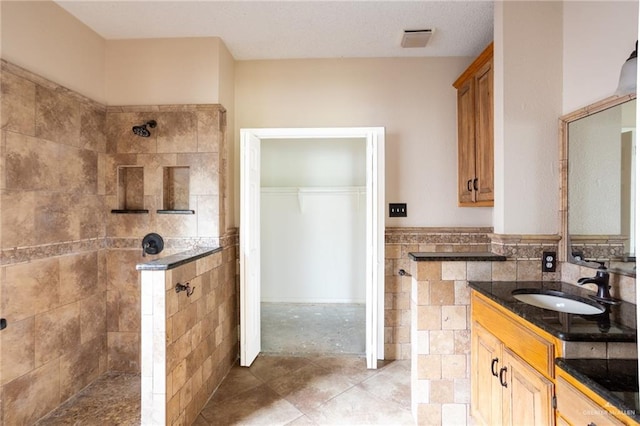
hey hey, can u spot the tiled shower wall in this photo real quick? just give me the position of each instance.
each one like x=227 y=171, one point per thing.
x=53 y=264
x=185 y=136
x=68 y=284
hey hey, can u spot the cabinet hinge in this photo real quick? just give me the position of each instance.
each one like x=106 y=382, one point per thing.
x=554 y=402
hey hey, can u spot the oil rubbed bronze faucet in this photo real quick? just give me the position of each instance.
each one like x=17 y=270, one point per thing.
x=602 y=281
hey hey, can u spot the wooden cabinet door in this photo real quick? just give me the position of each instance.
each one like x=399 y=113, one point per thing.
x=486 y=393
x=527 y=394
x=484 y=133
x=466 y=142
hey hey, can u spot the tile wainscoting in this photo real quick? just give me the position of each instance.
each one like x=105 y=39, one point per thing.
x=427 y=310
x=523 y=252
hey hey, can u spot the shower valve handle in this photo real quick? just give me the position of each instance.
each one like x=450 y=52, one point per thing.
x=185 y=287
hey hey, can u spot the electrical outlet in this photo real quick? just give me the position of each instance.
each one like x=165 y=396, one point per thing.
x=549 y=261
x=397 y=209
x=578 y=255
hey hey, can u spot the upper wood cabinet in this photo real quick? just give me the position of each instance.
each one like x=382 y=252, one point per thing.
x=475 y=132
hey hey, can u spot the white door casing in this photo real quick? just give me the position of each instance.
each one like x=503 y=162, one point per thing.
x=375 y=248
x=250 y=233
x=249 y=249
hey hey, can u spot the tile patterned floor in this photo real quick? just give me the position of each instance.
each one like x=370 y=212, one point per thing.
x=276 y=390
x=333 y=390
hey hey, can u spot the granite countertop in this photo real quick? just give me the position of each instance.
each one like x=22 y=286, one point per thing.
x=615 y=380
x=618 y=324
x=175 y=260
x=459 y=257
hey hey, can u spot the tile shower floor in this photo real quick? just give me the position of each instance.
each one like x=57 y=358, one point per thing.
x=112 y=399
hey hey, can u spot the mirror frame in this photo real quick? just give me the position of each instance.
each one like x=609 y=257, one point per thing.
x=565 y=241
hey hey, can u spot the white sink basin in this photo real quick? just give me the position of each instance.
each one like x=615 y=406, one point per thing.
x=558 y=301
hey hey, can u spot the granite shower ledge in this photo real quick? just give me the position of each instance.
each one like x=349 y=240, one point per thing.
x=179 y=259
x=456 y=257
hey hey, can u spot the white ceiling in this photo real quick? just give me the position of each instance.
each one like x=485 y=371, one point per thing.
x=298 y=29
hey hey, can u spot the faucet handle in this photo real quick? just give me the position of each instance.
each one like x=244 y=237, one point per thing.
x=602 y=273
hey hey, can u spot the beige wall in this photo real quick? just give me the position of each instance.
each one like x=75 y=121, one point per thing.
x=226 y=90
x=528 y=99
x=162 y=71
x=551 y=58
x=42 y=37
x=45 y=39
x=598 y=37
x=412 y=98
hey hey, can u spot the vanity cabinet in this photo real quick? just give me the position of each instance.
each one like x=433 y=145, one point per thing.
x=512 y=368
x=475 y=132
x=576 y=408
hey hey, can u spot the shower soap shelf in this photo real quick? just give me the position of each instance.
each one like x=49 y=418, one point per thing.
x=127 y=211
x=176 y=211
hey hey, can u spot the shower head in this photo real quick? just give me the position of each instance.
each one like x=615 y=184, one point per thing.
x=142 y=130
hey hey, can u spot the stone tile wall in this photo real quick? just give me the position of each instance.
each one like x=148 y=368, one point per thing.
x=68 y=284
x=186 y=136
x=190 y=136
x=193 y=343
x=441 y=334
x=441 y=318
x=524 y=254
x=52 y=235
x=399 y=242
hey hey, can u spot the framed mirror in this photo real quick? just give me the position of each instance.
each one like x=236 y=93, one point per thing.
x=598 y=162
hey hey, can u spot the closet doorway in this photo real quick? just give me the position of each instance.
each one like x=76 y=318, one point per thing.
x=365 y=191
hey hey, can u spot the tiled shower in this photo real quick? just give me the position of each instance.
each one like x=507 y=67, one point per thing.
x=68 y=284
x=69 y=288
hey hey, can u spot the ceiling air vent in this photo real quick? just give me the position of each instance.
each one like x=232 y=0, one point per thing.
x=415 y=38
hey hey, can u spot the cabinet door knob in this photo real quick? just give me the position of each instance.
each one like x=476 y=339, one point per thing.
x=494 y=362
x=503 y=380
x=469 y=185
x=475 y=184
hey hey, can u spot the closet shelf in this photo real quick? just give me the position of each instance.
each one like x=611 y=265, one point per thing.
x=311 y=190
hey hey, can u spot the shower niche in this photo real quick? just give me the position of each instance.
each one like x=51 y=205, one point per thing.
x=175 y=190
x=130 y=190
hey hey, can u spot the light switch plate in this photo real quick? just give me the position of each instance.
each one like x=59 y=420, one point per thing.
x=397 y=209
